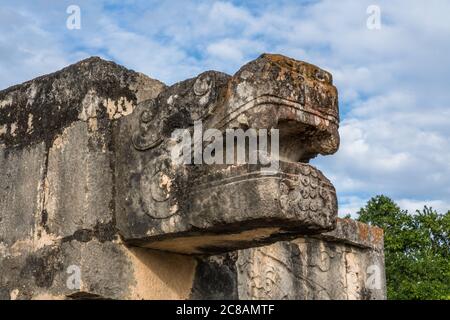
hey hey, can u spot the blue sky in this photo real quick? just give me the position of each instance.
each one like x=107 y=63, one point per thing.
x=394 y=83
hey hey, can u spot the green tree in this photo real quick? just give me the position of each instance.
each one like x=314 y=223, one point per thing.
x=417 y=249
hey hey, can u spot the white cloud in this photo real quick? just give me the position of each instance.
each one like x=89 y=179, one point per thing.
x=350 y=205
x=412 y=205
x=27 y=50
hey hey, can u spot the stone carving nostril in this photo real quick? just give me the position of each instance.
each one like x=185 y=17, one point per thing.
x=322 y=76
x=149 y=113
x=203 y=85
x=147 y=116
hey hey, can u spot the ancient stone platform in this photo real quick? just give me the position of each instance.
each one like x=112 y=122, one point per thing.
x=344 y=264
x=87 y=183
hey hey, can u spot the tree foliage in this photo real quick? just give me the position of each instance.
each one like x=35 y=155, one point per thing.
x=417 y=249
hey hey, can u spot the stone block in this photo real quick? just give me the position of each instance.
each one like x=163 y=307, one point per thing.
x=57 y=186
x=339 y=265
x=22 y=179
x=105 y=270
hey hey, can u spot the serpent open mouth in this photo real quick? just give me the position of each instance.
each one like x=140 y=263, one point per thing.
x=303 y=131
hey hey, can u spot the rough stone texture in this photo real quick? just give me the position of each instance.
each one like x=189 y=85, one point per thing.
x=109 y=270
x=92 y=89
x=215 y=208
x=346 y=263
x=85 y=178
x=21 y=177
x=57 y=186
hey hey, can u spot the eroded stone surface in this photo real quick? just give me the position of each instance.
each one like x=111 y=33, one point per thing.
x=332 y=265
x=57 y=187
x=108 y=270
x=340 y=264
x=21 y=176
x=39 y=109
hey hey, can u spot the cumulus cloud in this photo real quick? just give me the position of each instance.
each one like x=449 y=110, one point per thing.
x=350 y=205
x=393 y=82
x=27 y=49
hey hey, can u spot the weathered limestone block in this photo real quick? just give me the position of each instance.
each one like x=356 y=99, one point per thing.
x=108 y=270
x=213 y=208
x=91 y=89
x=21 y=175
x=57 y=207
x=346 y=263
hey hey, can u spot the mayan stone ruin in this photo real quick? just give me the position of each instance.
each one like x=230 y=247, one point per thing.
x=89 y=189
